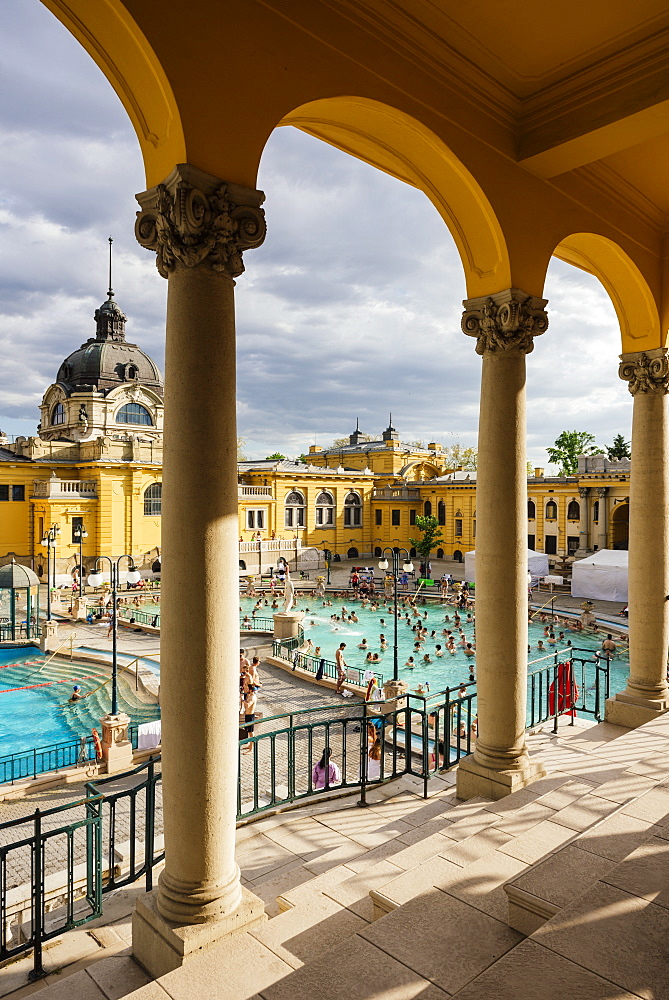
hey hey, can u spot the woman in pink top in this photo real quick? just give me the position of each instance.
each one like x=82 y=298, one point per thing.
x=326 y=772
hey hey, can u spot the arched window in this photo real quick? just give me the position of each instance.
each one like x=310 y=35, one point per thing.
x=377 y=551
x=353 y=511
x=441 y=512
x=440 y=553
x=551 y=511
x=531 y=510
x=58 y=414
x=134 y=413
x=427 y=509
x=352 y=554
x=295 y=510
x=595 y=511
x=324 y=510
x=153 y=499
x=574 y=511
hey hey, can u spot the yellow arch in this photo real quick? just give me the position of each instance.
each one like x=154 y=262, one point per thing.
x=132 y=68
x=404 y=148
x=630 y=294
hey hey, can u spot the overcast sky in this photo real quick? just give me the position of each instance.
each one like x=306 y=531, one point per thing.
x=342 y=313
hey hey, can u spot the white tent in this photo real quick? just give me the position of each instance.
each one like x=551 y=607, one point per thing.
x=602 y=576
x=537 y=565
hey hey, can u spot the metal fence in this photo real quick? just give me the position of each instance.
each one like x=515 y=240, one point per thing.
x=567 y=682
x=19 y=631
x=70 y=753
x=251 y=623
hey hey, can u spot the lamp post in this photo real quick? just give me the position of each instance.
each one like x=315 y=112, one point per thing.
x=49 y=540
x=79 y=534
x=95 y=580
x=406 y=568
x=328 y=559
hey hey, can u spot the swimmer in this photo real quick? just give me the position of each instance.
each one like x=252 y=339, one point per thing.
x=410 y=663
x=77 y=693
x=438 y=651
x=541 y=647
x=469 y=650
x=427 y=658
x=363 y=644
x=462 y=690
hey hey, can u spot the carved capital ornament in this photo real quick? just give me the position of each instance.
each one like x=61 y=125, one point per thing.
x=646 y=372
x=505 y=322
x=194 y=218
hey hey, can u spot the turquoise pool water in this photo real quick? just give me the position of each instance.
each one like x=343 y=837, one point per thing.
x=37 y=716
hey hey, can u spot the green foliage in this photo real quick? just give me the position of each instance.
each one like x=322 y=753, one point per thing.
x=620 y=448
x=241 y=457
x=568 y=446
x=457 y=457
x=276 y=457
x=431 y=535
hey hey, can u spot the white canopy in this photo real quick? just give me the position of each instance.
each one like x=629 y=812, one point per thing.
x=537 y=565
x=602 y=576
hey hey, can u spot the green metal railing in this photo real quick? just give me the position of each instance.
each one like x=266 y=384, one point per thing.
x=77 y=901
x=19 y=631
x=570 y=682
x=131 y=615
x=70 y=753
x=252 y=623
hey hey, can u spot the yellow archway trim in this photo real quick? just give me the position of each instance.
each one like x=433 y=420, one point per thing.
x=406 y=149
x=628 y=290
x=114 y=41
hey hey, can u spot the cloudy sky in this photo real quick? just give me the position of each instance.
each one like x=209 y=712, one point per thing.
x=341 y=314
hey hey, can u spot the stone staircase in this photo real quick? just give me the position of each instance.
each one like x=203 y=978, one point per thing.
x=558 y=889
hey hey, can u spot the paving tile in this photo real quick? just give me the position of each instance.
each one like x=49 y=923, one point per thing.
x=237 y=968
x=465 y=852
x=625 y=786
x=442 y=938
x=117 y=976
x=523 y=819
x=433 y=810
x=481 y=883
x=260 y=855
x=645 y=872
x=656 y=767
x=653 y=806
x=273 y=887
x=341 y=855
x=418 y=833
x=468 y=825
x=79 y=986
x=418 y=880
x=362 y=971
x=584 y=812
x=363 y=827
x=535 y=973
x=567 y=793
x=359 y=885
x=304 y=836
x=152 y=991
x=421 y=850
x=316 y=925
x=563 y=876
x=380 y=853
x=616 y=837
x=542 y=839
x=615 y=935
x=513 y=802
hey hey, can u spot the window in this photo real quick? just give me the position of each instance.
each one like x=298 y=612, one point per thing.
x=324 y=510
x=573 y=542
x=595 y=511
x=458 y=527
x=133 y=413
x=427 y=509
x=412 y=517
x=531 y=510
x=550 y=547
x=153 y=500
x=77 y=525
x=530 y=541
x=574 y=511
x=58 y=414
x=551 y=511
x=474 y=528
x=4 y=492
x=295 y=510
x=18 y=492
x=378 y=516
x=353 y=511
x=395 y=520
x=441 y=512
x=255 y=518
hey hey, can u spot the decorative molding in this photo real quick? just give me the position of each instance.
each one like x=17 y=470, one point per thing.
x=602 y=491
x=646 y=372
x=194 y=218
x=505 y=321
x=583 y=491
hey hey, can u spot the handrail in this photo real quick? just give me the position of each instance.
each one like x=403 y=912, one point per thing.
x=71 y=637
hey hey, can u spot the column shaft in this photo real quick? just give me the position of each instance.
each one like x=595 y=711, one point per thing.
x=603 y=526
x=584 y=526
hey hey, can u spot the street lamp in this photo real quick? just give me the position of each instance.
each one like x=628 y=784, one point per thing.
x=328 y=559
x=79 y=533
x=406 y=568
x=49 y=539
x=95 y=580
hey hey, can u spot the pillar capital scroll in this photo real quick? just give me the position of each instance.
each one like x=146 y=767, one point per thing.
x=646 y=371
x=505 y=321
x=584 y=491
x=194 y=218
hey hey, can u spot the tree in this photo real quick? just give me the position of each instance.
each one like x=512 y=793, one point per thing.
x=568 y=446
x=241 y=457
x=430 y=538
x=457 y=457
x=276 y=457
x=619 y=449
x=345 y=442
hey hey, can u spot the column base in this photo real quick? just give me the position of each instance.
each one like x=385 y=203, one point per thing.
x=116 y=747
x=630 y=711
x=475 y=779
x=161 y=946
x=287 y=624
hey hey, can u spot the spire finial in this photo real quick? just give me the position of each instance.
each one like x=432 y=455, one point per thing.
x=110 y=292
x=357 y=423
x=390 y=422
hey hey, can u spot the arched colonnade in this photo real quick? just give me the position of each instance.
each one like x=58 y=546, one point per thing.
x=203 y=106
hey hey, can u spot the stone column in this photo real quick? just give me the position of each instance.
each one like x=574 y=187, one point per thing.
x=504 y=325
x=646 y=693
x=584 y=526
x=603 y=525
x=198 y=226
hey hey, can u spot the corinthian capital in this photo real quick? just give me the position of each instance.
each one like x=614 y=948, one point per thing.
x=505 y=321
x=646 y=372
x=583 y=491
x=194 y=218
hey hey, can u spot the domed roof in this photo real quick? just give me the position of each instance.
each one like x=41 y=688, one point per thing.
x=13 y=576
x=108 y=360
